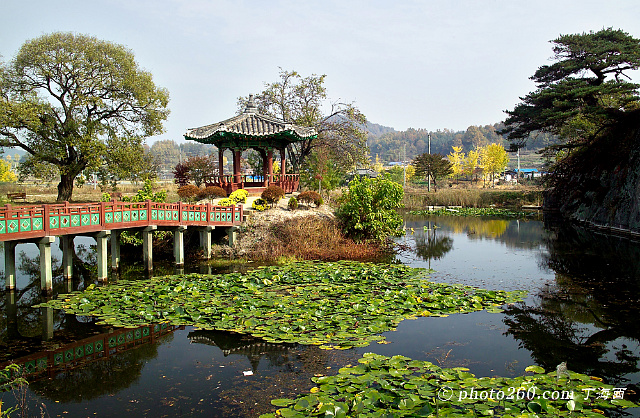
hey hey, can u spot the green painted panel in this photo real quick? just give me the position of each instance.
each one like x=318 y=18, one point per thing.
x=64 y=221
x=175 y=215
x=113 y=341
x=88 y=349
x=25 y=224
x=126 y=216
x=192 y=216
x=54 y=222
x=30 y=366
x=185 y=215
x=36 y=224
x=237 y=216
x=146 y=331
x=3 y=227
x=121 y=339
x=108 y=217
x=68 y=355
x=75 y=220
x=142 y=215
x=134 y=216
x=12 y=225
x=217 y=217
x=137 y=334
x=129 y=336
x=80 y=351
x=117 y=217
x=95 y=219
x=196 y=216
x=99 y=346
x=42 y=363
x=58 y=358
x=85 y=219
x=154 y=214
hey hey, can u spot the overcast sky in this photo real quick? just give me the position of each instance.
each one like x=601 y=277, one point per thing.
x=431 y=64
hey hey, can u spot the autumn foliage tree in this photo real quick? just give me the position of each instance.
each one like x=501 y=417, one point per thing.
x=69 y=100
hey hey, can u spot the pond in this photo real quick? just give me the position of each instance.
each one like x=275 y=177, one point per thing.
x=582 y=309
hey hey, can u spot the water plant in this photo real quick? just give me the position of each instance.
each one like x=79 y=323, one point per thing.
x=478 y=212
x=334 y=305
x=398 y=386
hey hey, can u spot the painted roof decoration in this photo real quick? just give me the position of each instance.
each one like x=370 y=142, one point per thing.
x=250 y=125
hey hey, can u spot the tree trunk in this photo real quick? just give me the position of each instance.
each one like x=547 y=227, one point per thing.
x=65 y=187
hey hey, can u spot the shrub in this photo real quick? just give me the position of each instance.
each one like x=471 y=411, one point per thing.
x=293 y=203
x=272 y=194
x=309 y=197
x=368 y=208
x=211 y=192
x=239 y=196
x=188 y=192
x=259 y=205
x=227 y=201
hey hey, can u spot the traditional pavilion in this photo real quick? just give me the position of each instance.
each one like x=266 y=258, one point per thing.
x=262 y=133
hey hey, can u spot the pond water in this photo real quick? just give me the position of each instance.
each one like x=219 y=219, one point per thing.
x=582 y=308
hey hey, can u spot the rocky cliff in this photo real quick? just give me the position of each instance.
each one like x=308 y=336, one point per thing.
x=601 y=184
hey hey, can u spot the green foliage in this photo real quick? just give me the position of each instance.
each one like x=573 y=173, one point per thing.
x=81 y=124
x=575 y=98
x=334 y=305
x=368 y=208
x=272 y=194
x=309 y=197
x=147 y=193
x=260 y=205
x=188 y=192
x=293 y=203
x=398 y=386
x=10 y=378
x=239 y=196
x=320 y=172
x=478 y=212
x=435 y=166
x=211 y=192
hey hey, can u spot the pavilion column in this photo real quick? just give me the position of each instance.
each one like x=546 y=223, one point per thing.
x=10 y=264
x=221 y=163
x=269 y=166
x=283 y=162
x=237 y=174
x=265 y=169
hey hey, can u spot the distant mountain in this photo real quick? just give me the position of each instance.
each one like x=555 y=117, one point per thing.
x=373 y=129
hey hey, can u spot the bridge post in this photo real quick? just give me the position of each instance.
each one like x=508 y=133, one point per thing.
x=115 y=249
x=66 y=245
x=178 y=245
x=205 y=240
x=47 y=323
x=10 y=264
x=46 y=279
x=101 y=240
x=147 y=247
x=11 y=309
x=232 y=233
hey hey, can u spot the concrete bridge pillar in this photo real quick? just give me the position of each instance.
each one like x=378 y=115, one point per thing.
x=10 y=264
x=147 y=247
x=101 y=240
x=46 y=279
x=66 y=245
x=232 y=233
x=47 y=323
x=178 y=245
x=115 y=250
x=205 y=240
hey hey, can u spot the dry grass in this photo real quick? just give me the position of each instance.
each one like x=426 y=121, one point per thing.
x=312 y=238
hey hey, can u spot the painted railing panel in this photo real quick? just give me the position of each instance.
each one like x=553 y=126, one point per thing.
x=26 y=222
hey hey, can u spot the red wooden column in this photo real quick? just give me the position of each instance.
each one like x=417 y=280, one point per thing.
x=237 y=174
x=269 y=178
x=221 y=162
x=283 y=163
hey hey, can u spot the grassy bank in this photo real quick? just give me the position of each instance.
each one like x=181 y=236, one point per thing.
x=416 y=199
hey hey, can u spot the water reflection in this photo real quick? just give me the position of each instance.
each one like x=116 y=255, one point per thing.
x=588 y=316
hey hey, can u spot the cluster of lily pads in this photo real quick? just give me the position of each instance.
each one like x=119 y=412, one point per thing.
x=478 y=212
x=333 y=305
x=401 y=387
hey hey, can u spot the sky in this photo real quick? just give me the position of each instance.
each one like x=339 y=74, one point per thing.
x=432 y=64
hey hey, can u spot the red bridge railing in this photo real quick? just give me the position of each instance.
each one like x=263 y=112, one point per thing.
x=25 y=222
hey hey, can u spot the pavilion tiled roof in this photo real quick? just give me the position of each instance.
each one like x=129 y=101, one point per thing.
x=250 y=124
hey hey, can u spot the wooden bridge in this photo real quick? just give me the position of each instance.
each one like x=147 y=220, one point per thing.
x=41 y=224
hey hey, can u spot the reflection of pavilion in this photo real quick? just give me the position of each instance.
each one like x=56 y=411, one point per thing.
x=240 y=344
x=251 y=130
